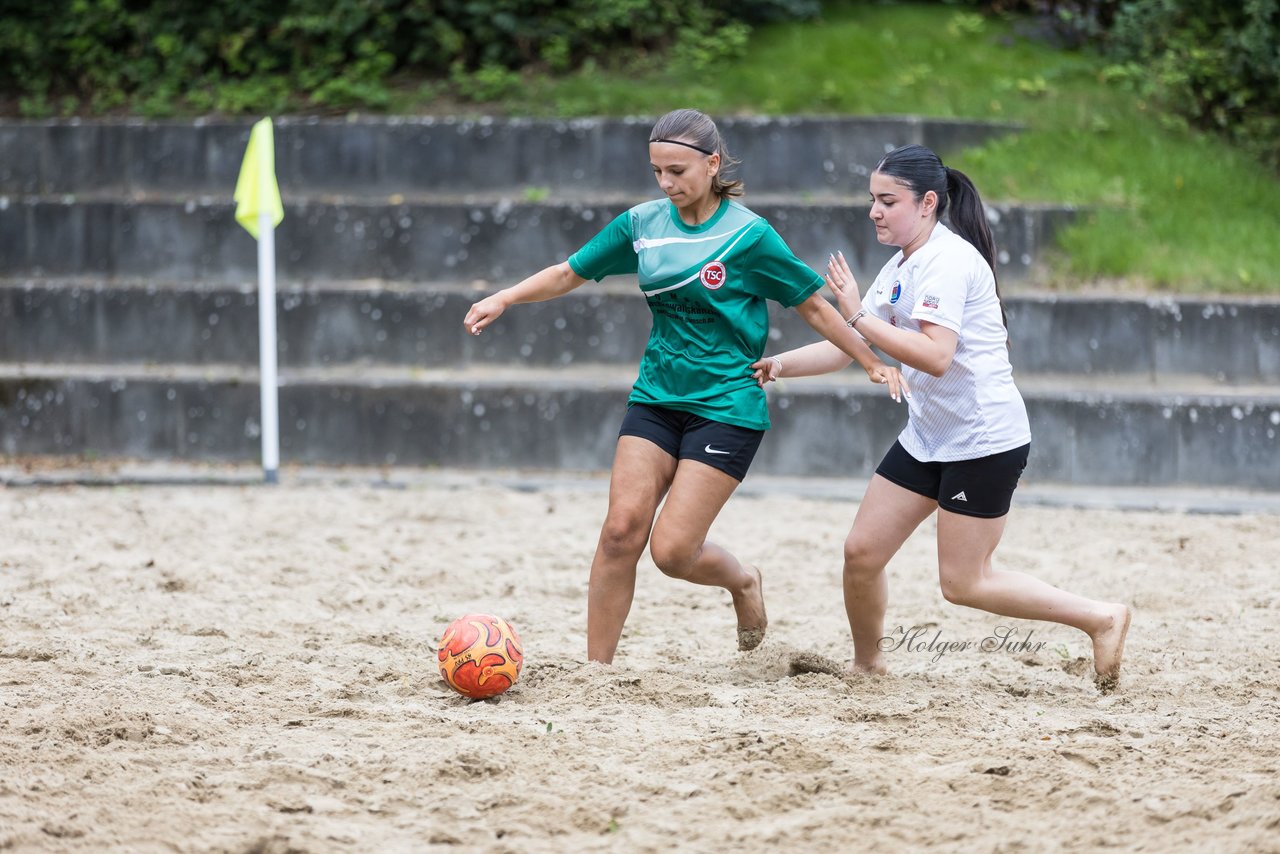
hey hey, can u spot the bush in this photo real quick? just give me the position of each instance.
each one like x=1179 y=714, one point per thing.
x=239 y=56
x=1215 y=63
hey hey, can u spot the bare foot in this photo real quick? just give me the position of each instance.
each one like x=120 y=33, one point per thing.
x=875 y=667
x=1108 y=648
x=749 y=605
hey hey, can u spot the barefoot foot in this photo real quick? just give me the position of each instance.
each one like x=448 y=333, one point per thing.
x=749 y=605
x=875 y=667
x=1108 y=648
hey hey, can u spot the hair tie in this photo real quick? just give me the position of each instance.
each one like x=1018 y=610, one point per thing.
x=685 y=144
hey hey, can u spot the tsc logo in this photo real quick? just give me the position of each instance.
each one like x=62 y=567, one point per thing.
x=712 y=275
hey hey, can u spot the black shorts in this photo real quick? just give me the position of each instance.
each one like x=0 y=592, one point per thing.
x=686 y=436
x=982 y=487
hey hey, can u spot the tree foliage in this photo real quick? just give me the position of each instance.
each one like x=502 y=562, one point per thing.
x=219 y=55
x=1215 y=63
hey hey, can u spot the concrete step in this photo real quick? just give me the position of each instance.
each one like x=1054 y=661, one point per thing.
x=89 y=320
x=496 y=239
x=384 y=156
x=547 y=418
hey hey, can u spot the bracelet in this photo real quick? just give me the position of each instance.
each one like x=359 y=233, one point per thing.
x=778 y=359
x=862 y=312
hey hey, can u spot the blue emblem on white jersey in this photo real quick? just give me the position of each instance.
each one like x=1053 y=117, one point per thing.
x=895 y=293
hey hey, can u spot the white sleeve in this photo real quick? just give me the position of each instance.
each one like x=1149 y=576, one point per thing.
x=941 y=291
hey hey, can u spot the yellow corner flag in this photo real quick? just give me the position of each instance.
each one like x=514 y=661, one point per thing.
x=256 y=189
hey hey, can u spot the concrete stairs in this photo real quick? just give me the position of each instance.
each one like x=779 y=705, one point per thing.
x=128 y=309
x=427 y=200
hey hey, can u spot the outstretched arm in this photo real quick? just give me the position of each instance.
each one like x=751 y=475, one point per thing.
x=556 y=280
x=826 y=321
x=807 y=361
x=842 y=346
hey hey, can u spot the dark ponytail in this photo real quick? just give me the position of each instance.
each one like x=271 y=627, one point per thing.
x=968 y=216
x=920 y=170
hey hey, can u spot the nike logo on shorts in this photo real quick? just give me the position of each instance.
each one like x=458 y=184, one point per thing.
x=959 y=496
x=710 y=450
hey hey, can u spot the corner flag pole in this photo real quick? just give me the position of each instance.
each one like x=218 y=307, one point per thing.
x=268 y=383
x=259 y=210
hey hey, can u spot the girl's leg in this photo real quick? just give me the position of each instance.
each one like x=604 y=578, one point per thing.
x=965 y=547
x=886 y=517
x=680 y=549
x=642 y=473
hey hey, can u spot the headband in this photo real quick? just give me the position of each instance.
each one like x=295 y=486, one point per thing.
x=686 y=145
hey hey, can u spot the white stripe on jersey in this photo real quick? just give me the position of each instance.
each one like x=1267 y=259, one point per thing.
x=642 y=243
x=742 y=232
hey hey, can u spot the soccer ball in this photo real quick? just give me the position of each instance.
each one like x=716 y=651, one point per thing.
x=480 y=656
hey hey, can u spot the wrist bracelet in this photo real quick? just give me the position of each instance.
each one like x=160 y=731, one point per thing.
x=862 y=312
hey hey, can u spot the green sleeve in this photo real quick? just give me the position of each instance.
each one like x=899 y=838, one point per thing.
x=776 y=272
x=608 y=253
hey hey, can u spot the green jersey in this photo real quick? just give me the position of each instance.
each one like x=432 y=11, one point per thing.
x=706 y=286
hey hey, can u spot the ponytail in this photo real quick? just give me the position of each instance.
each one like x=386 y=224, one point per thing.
x=968 y=217
x=920 y=170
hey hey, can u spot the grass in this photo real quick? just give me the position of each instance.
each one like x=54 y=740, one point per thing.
x=1170 y=208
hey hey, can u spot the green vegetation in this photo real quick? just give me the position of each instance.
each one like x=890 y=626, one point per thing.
x=1170 y=206
x=174 y=57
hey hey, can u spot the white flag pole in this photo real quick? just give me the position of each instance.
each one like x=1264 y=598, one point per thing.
x=267 y=347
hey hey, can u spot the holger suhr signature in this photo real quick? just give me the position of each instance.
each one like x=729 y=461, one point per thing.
x=917 y=639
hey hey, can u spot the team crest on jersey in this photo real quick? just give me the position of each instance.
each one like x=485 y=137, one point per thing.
x=895 y=293
x=712 y=275
x=930 y=301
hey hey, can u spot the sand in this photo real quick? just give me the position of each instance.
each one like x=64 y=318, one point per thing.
x=240 y=668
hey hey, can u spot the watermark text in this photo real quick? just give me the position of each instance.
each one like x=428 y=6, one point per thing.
x=922 y=639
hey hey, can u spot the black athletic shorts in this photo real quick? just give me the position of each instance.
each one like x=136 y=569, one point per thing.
x=982 y=487
x=686 y=436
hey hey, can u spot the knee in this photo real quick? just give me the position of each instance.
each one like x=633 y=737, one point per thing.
x=623 y=537
x=674 y=558
x=861 y=563
x=957 y=588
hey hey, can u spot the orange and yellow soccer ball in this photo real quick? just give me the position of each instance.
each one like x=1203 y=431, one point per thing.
x=480 y=656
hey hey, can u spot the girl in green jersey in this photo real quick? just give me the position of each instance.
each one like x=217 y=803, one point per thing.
x=706 y=265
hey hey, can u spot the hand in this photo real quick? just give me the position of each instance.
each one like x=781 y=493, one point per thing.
x=483 y=313
x=883 y=374
x=767 y=370
x=841 y=282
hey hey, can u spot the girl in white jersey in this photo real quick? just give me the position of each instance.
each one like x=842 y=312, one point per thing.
x=695 y=417
x=935 y=308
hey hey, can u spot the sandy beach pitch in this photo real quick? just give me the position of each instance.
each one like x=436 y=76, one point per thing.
x=230 y=668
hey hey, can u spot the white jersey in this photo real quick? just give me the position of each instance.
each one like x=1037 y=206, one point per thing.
x=974 y=409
